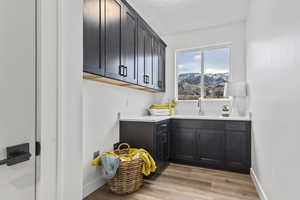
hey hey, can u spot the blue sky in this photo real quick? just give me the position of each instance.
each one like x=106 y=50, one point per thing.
x=216 y=61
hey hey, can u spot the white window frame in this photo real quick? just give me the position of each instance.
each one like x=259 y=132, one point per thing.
x=203 y=48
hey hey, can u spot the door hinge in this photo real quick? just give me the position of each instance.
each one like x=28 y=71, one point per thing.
x=37 y=148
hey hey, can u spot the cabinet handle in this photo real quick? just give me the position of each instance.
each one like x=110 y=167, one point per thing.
x=121 y=70
x=146 y=79
x=164 y=125
x=125 y=71
x=160 y=84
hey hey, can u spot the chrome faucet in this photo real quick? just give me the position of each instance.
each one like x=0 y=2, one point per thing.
x=200 y=106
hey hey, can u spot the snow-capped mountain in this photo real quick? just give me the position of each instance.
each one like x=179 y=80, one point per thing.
x=209 y=79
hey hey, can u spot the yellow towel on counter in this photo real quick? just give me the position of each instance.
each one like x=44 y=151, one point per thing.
x=156 y=106
x=149 y=164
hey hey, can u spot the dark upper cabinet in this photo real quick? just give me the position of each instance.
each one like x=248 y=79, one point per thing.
x=162 y=67
x=129 y=45
x=210 y=147
x=142 y=79
x=119 y=44
x=120 y=25
x=151 y=59
x=112 y=48
x=92 y=37
x=145 y=61
x=155 y=62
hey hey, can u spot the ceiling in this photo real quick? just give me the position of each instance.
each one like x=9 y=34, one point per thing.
x=175 y=16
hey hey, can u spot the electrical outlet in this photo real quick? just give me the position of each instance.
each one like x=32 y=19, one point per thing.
x=96 y=154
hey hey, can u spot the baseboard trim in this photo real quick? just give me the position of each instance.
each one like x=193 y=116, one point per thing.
x=92 y=187
x=262 y=195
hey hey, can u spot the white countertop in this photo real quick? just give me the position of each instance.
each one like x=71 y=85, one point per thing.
x=162 y=118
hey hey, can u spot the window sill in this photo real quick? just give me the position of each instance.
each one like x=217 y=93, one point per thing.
x=206 y=100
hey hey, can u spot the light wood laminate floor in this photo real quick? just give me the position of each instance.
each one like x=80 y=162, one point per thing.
x=183 y=182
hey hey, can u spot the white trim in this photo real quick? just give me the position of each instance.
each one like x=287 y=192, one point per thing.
x=47 y=98
x=92 y=187
x=60 y=185
x=202 y=48
x=262 y=195
x=207 y=100
x=69 y=99
x=207 y=47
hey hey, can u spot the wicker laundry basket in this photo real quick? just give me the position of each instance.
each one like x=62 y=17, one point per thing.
x=129 y=177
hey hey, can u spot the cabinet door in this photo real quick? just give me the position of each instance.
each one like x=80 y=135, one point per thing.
x=162 y=146
x=155 y=62
x=129 y=44
x=113 y=33
x=238 y=150
x=183 y=144
x=210 y=148
x=91 y=37
x=148 y=59
x=145 y=68
x=161 y=67
x=141 y=55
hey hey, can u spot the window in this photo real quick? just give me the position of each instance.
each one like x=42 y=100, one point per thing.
x=202 y=73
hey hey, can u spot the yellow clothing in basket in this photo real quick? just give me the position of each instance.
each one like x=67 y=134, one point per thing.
x=149 y=164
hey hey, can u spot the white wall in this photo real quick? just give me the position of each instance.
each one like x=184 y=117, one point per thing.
x=101 y=104
x=231 y=33
x=273 y=65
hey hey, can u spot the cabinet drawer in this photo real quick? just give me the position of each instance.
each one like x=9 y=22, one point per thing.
x=199 y=124
x=237 y=126
x=162 y=127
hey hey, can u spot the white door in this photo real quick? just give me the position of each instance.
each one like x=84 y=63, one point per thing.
x=17 y=98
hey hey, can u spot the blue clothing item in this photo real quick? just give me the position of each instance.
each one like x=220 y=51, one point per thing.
x=110 y=165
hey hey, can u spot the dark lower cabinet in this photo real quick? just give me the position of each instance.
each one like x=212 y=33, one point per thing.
x=214 y=144
x=210 y=147
x=183 y=144
x=163 y=146
x=238 y=150
x=154 y=137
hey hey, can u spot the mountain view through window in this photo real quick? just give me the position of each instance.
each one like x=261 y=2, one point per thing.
x=202 y=73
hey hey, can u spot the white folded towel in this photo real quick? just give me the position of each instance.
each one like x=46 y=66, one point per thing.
x=159 y=112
